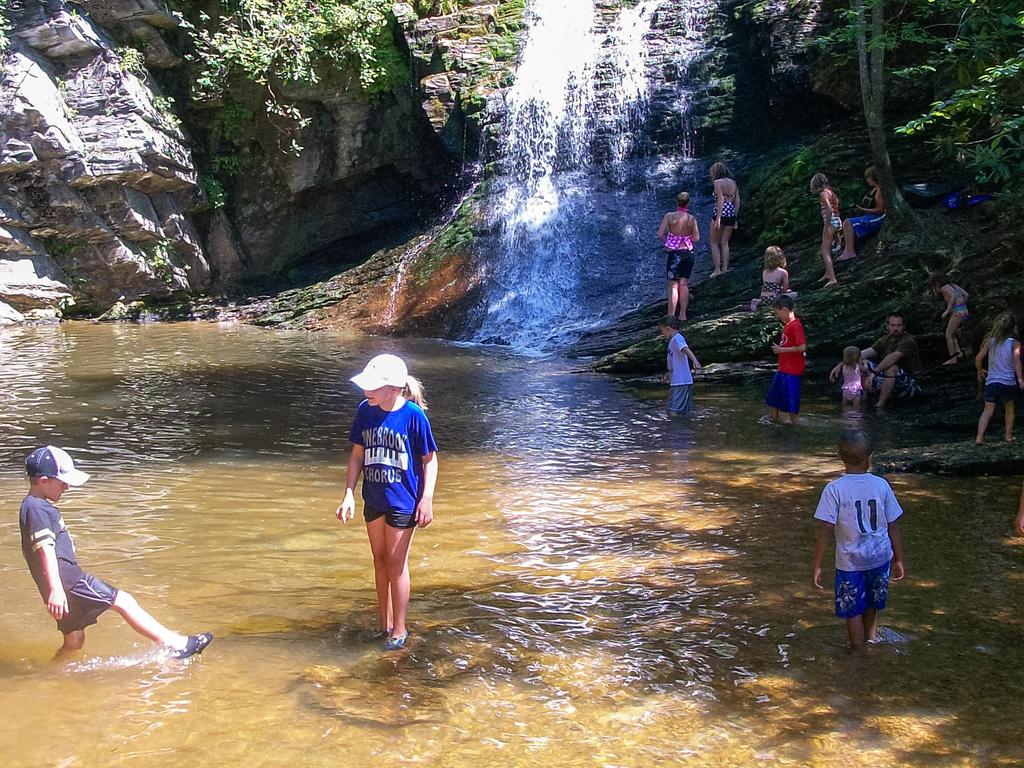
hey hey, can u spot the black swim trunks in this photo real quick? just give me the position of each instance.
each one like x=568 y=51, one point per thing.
x=728 y=221
x=88 y=599
x=393 y=519
x=679 y=265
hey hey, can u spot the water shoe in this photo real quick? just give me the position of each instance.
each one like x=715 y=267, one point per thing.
x=396 y=643
x=196 y=644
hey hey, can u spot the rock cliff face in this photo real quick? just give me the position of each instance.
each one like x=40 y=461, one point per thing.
x=97 y=179
x=100 y=192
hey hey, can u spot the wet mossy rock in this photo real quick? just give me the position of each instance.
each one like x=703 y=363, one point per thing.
x=956 y=458
x=891 y=272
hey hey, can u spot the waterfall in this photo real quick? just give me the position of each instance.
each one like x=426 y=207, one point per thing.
x=574 y=214
x=628 y=87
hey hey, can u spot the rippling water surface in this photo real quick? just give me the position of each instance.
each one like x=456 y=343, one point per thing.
x=602 y=586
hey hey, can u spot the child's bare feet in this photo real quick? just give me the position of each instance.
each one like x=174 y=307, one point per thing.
x=1010 y=438
x=954 y=359
x=846 y=256
x=980 y=441
x=830 y=283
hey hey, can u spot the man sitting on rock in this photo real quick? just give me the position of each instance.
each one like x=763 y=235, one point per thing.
x=898 y=361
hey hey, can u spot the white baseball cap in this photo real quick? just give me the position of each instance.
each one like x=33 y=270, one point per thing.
x=382 y=371
x=53 y=462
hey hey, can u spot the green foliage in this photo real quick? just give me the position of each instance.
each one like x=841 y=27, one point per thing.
x=132 y=59
x=226 y=165
x=268 y=39
x=70 y=248
x=427 y=8
x=169 y=120
x=781 y=206
x=233 y=121
x=5 y=33
x=970 y=57
x=216 y=195
x=158 y=258
x=981 y=124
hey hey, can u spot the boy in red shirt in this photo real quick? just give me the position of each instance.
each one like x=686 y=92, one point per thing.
x=784 y=394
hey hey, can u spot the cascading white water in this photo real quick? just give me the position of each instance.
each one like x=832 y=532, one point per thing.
x=628 y=88
x=546 y=134
x=575 y=249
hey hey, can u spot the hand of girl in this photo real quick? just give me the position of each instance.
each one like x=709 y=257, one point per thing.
x=945 y=314
x=57 y=604
x=424 y=512
x=347 y=509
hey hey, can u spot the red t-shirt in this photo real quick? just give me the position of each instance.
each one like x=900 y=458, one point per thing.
x=792 y=336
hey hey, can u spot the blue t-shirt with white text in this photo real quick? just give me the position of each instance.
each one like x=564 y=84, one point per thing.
x=394 y=444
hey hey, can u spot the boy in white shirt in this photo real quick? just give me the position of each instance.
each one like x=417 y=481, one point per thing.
x=680 y=378
x=862 y=511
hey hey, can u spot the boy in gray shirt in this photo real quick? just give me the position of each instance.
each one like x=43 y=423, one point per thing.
x=74 y=598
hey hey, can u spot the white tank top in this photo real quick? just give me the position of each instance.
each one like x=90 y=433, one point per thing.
x=1000 y=363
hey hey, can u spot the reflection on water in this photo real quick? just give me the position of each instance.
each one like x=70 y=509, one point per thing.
x=603 y=586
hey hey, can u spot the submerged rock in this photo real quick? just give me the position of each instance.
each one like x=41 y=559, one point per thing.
x=372 y=692
x=9 y=315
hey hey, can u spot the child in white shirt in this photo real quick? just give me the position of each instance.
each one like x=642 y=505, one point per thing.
x=680 y=357
x=862 y=511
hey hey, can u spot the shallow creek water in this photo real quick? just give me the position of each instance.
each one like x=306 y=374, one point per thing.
x=602 y=585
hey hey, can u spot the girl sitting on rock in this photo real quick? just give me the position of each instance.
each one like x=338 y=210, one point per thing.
x=774 y=278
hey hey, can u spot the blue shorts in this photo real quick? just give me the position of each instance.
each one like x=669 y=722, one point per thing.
x=1000 y=393
x=867 y=225
x=784 y=393
x=680 y=399
x=856 y=591
x=906 y=387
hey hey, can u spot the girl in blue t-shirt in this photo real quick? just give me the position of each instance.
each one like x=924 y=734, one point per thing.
x=394 y=449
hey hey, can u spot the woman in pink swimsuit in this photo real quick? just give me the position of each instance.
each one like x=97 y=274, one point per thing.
x=678 y=232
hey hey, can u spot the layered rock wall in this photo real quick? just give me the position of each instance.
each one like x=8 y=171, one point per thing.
x=96 y=177
x=104 y=160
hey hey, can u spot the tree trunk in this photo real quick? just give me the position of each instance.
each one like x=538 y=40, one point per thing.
x=871 y=64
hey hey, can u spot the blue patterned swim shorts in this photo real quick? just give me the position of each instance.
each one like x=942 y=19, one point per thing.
x=856 y=591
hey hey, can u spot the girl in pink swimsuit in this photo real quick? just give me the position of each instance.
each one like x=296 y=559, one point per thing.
x=854 y=370
x=678 y=232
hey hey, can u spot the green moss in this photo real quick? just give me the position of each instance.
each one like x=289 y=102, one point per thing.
x=69 y=248
x=504 y=48
x=454 y=239
x=473 y=102
x=511 y=16
x=778 y=202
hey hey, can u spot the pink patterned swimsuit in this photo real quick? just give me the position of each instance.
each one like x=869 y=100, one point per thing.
x=674 y=242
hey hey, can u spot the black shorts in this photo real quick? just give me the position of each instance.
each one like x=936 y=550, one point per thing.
x=679 y=265
x=1000 y=393
x=88 y=599
x=728 y=221
x=392 y=518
